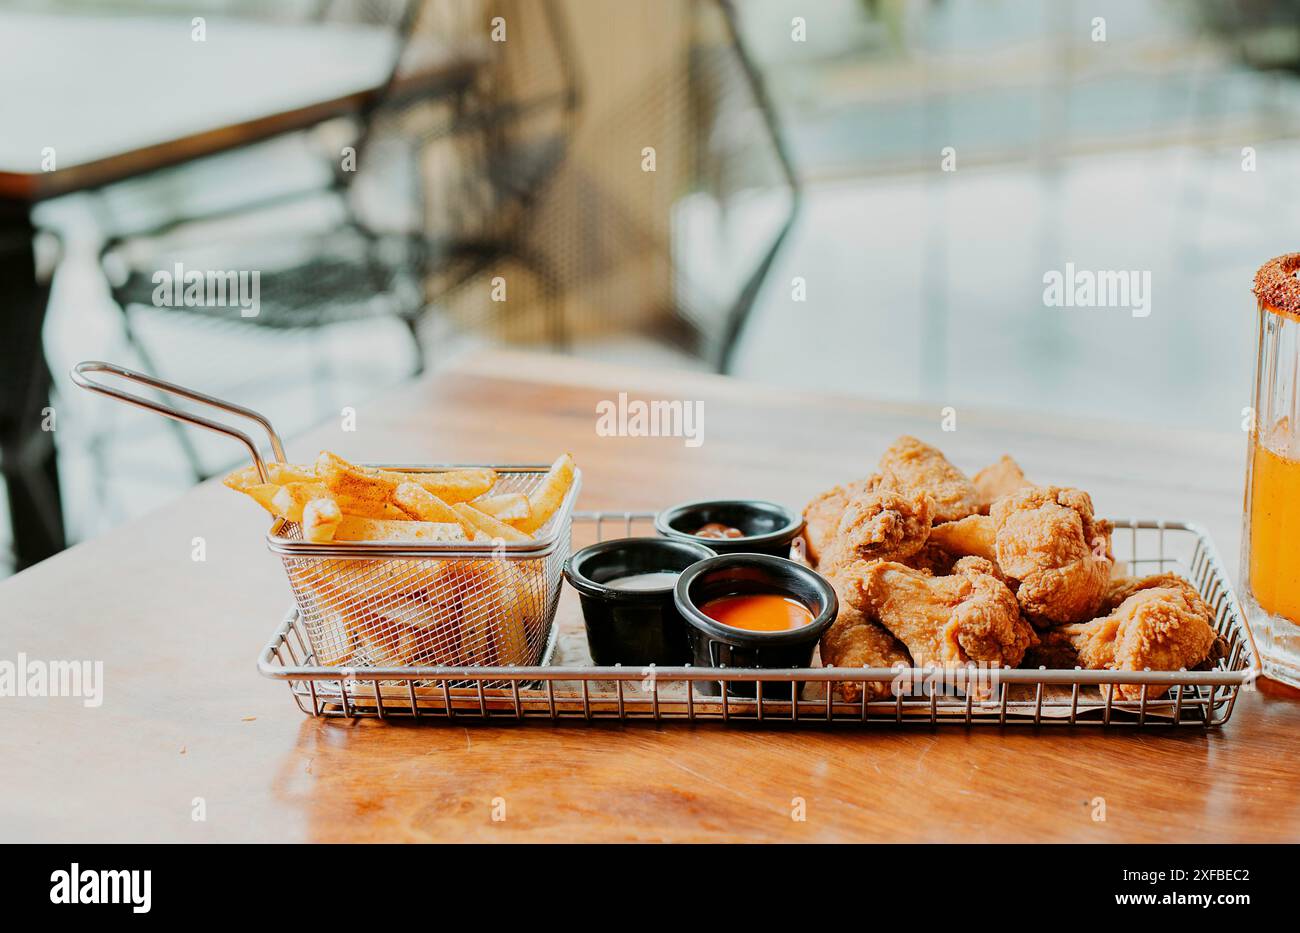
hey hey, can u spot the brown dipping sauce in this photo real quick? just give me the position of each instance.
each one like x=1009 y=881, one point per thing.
x=718 y=530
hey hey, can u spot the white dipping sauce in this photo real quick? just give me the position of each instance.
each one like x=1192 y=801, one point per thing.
x=658 y=580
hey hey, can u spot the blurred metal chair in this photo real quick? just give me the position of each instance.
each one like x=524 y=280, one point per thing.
x=513 y=136
x=682 y=250
x=451 y=159
x=307 y=280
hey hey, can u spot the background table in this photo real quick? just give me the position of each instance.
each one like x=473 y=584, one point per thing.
x=113 y=97
x=185 y=714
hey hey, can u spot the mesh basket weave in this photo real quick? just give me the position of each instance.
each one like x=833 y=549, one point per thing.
x=374 y=605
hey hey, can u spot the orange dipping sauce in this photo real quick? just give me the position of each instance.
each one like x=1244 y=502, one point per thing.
x=762 y=612
x=1274 y=529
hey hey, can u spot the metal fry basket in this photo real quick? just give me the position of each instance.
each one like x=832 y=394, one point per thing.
x=372 y=604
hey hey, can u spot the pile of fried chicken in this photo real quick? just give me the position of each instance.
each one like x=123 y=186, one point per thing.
x=935 y=568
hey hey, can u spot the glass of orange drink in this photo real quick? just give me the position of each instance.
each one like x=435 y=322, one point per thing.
x=1270 y=561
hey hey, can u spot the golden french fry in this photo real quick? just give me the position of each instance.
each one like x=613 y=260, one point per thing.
x=367 y=508
x=489 y=525
x=276 y=473
x=242 y=478
x=292 y=498
x=451 y=486
x=263 y=494
x=420 y=504
x=320 y=519
x=547 y=498
x=506 y=506
x=355 y=528
x=348 y=479
x=281 y=473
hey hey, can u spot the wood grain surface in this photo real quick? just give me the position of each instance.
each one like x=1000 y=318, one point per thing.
x=186 y=716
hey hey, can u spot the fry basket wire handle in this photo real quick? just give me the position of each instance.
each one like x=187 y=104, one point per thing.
x=80 y=376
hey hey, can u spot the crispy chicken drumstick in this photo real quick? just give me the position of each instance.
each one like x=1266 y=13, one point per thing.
x=1046 y=541
x=911 y=466
x=879 y=524
x=946 y=621
x=1160 y=628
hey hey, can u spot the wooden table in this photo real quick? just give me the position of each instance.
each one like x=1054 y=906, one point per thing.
x=185 y=714
x=112 y=97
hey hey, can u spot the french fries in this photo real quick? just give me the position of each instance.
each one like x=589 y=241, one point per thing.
x=491 y=631
x=263 y=494
x=547 y=498
x=292 y=498
x=422 y=505
x=356 y=528
x=488 y=525
x=480 y=610
x=451 y=486
x=276 y=474
x=505 y=507
x=321 y=519
x=335 y=500
x=347 y=479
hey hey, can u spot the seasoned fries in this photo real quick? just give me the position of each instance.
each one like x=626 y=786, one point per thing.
x=277 y=474
x=450 y=486
x=263 y=494
x=321 y=519
x=422 y=505
x=346 y=479
x=292 y=498
x=488 y=525
x=471 y=608
x=548 y=497
x=506 y=507
x=335 y=500
x=355 y=528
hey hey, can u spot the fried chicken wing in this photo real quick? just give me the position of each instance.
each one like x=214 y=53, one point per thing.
x=974 y=536
x=932 y=559
x=969 y=616
x=822 y=515
x=879 y=524
x=997 y=480
x=912 y=466
x=1161 y=628
x=1048 y=541
x=1121 y=588
x=1043 y=541
x=853 y=640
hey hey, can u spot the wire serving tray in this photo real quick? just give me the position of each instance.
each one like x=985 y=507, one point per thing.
x=566 y=687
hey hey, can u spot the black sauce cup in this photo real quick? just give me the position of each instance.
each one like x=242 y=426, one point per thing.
x=716 y=645
x=768 y=528
x=632 y=627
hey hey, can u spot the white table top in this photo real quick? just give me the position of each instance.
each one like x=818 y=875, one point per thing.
x=95 y=86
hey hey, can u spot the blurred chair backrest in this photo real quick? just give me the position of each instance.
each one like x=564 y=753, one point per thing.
x=399 y=17
x=480 y=156
x=676 y=190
